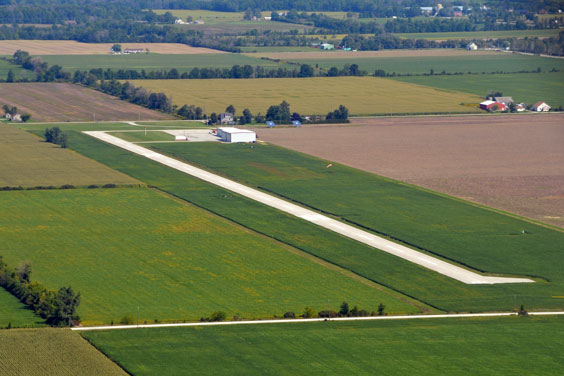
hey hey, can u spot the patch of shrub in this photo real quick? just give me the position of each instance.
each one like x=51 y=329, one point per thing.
x=92 y=186
x=289 y=315
x=127 y=320
x=109 y=186
x=218 y=316
x=328 y=313
x=67 y=186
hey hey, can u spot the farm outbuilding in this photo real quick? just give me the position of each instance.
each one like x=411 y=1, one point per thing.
x=492 y=106
x=236 y=135
x=540 y=107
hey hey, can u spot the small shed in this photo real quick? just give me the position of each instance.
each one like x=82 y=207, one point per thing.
x=492 y=106
x=180 y=138
x=472 y=46
x=327 y=46
x=540 y=107
x=232 y=135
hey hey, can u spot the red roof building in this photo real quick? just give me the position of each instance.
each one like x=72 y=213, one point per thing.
x=492 y=106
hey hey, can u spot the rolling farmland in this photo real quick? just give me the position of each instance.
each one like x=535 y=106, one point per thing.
x=154 y=62
x=178 y=263
x=67 y=102
x=527 y=87
x=427 y=347
x=362 y=95
x=481 y=63
x=27 y=161
x=39 y=352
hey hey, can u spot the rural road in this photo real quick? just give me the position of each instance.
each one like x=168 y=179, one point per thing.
x=283 y=321
x=419 y=258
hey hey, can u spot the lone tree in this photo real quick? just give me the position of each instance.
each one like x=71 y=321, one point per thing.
x=116 y=47
x=280 y=113
x=230 y=109
x=10 y=77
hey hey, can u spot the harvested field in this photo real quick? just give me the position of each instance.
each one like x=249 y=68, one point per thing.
x=361 y=54
x=512 y=162
x=319 y=95
x=52 y=102
x=51 y=352
x=70 y=47
x=27 y=161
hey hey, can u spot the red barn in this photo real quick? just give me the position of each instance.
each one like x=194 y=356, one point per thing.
x=492 y=106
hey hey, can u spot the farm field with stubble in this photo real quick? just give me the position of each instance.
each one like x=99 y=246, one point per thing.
x=135 y=248
x=362 y=95
x=427 y=347
x=47 y=351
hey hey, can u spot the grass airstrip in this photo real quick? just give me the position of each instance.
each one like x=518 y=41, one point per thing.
x=421 y=218
x=362 y=95
x=424 y=347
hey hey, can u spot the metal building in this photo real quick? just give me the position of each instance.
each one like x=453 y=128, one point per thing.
x=236 y=135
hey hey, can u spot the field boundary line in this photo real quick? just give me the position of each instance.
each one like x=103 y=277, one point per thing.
x=346 y=230
x=288 y=321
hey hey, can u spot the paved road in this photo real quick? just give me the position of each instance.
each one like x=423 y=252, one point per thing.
x=283 y=321
x=429 y=262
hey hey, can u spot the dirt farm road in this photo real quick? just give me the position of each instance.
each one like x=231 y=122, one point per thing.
x=429 y=262
x=295 y=321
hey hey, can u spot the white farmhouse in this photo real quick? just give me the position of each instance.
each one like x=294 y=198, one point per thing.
x=540 y=107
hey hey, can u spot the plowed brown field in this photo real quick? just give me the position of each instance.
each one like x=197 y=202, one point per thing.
x=514 y=162
x=68 y=102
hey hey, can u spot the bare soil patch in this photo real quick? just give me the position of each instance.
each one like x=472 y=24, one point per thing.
x=69 y=47
x=51 y=102
x=513 y=163
x=360 y=54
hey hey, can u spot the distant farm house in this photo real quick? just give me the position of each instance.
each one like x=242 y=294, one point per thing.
x=540 y=107
x=226 y=118
x=472 y=46
x=179 y=22
x=492 y=106
x=133 y=51
x=327 y=46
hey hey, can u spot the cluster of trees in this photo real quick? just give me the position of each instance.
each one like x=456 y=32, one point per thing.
x=547 y=46
x=390 y=41
x=56 y=136
x=58 y=308
x=408 y=25
x=329 y=23
x=344 y=311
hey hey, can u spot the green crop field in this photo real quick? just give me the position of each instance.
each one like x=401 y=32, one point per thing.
x=29 y=162
x=208 y=16
x=18 y=71
x=410 y=279
x=425 y=347
x=133 y=247
x=14 y=313
x=482 y=34
x=279 y=49
x=153 y=62
x=499 y=62
x=39 y=352
x=362 y=95
x=527 y=87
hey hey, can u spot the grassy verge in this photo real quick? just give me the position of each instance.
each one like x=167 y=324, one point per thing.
x=15 y=314
x=427 y=347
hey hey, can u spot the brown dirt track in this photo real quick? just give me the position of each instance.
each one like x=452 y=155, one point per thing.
x=513 y=162
x=69 y=47
x=51 y=102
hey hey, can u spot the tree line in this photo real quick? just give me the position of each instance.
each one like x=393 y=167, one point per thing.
x=58 y=308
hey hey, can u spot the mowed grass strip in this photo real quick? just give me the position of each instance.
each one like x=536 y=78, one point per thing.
x=427 y=286
x=499 y=62
x=14 y=313
x=38 y=352
x=527 y=87
x=154 y=62
x=470 y=235
x=362 y=95
x=426 y=347
x=51 y=101
x=129 y=248
x=27 y=161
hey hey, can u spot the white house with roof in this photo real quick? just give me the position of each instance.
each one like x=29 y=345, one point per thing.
x=540 y=107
